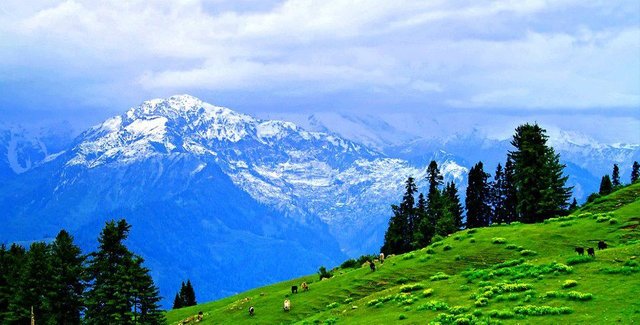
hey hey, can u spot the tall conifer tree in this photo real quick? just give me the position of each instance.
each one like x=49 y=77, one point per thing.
x=538 y=175
x=499 y=196
x=399 y=236
x=454 y=205
x=510 y=200
x=605 y=185
x=67 y=266
x=478 y=198
x=635 y=172
x=615 y=176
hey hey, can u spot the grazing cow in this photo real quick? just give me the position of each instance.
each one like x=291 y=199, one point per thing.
x=591 y=252
x=602 y=244
x=580 y=250
x=372 y=266
x=294 y=289
x=287 y=305
x=381 y=258
x=251 y=311
x=305 y=286
x=200 y=315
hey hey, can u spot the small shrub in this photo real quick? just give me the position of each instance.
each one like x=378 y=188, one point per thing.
x=332 y=305
x=402 y=316
x=437 y=238
x=322 y=272
x=578 y=296
x=472 y=240
x=481 y=302
x=530 y=310
x=439 y=276
x=457 y=310
x=447 y=247
x=498 y=240
x=613 y=221
x=434 y=305
x=350 y=263
x=484 y=284
x=464 y=287
x=579 y=259
x=603 y=219
x=348 y=300
x=519 y=248
x=457 y=237
x=411 y=287
x=408 y=256
x=527 y=252
x=430 y=251
x=515 y=223
x=511 y=246
x=402 y=280
x=427 y=292
x=330 y=321
x=502 y=314
x=472 y=231
x=631 y=263
x=569 y=284
x=566 y=224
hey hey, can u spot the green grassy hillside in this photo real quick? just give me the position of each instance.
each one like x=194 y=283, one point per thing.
x=504 y=274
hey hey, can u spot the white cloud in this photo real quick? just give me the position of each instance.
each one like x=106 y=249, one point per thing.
x=469 y=54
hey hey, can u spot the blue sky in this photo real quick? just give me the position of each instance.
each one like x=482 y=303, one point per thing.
x=87 y=60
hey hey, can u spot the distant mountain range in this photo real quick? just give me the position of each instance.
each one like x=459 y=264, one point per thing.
x=231 y=201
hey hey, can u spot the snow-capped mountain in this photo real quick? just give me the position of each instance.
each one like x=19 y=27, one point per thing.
x=222 y=182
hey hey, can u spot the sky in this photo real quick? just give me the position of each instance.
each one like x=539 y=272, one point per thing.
x=573 y=63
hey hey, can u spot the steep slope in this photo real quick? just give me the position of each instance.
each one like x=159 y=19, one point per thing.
x=188 y=218
x=509 y=274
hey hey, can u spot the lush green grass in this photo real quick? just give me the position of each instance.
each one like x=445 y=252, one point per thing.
x=503 y=274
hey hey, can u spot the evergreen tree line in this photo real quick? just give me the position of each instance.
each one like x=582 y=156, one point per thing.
x=63 y=286
x=186 y=297
x=529 y=188
x=415 y=224
x=610 y=184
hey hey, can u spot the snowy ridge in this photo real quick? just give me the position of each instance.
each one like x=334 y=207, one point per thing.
x=304 y=174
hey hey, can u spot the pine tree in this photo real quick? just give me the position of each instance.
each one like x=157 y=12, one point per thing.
x=615 y=176
x=393 y=240
x=407 y=207
x=177 y=301
x=422 y=236
x=108 y=296
x=434 y=202
x=189 y=295
x=538 y=175
x=67 y=265
x=454 y=205
x=635 y=172
x=399 y=237
x=574 y=205
x=499 y=196
x=434 y=207
x=145 y=297
x=510 y=199
x=121 y=290
x=478 y=198
x=34 y=287
x=11 y=264
x=605 y=185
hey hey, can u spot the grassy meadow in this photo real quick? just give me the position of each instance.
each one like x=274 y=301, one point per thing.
x=506 y=274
